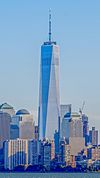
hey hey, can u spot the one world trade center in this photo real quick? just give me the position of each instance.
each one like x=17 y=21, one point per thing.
x=49 y=108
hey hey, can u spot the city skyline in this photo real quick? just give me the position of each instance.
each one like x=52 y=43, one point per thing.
x=80 y=82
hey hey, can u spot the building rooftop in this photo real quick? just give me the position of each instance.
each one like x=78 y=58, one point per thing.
x=6 y=106
x=22 y=112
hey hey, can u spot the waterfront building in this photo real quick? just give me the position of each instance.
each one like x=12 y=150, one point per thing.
x=96 y=153
x=15 y=153
x=49 y=154
x=89 y=152
x=46 y=153
x=41 y=152
x=72 y=161
x=64 y=152
x=56 y=142
x=49 y=109
x=52 y=149
x=93 y=152
x=33 y=152
x=93 y=136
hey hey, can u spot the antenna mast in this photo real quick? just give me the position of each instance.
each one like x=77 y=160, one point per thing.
x=49 y=25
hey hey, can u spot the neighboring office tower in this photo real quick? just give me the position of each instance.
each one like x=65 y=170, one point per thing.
x=65 y=127
x=33 y=152
x=56 y=142
x=76 y=140
x=5 y=119
x=48 y=112
x=4 y=132
x=64 y=153
x=85 y=128
x=64 y=109
x=93 y=136
x=26 y=128
x=76 y=125
x=22 y=125
x=15 y=121
x=96 y=153
x=48 y=154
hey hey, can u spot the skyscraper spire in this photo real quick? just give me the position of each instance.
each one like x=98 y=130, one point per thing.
x=49 y=25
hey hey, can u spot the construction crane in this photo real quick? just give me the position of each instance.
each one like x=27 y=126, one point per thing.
x=81 y=109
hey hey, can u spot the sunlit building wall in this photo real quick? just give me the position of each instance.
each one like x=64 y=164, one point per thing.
x=15 y=153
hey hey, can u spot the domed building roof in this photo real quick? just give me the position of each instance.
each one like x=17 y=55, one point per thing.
x=22 y=112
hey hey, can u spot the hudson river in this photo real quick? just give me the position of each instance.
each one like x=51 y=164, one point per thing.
x=50 y=175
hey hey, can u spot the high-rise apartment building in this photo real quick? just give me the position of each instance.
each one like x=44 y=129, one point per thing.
x=33 y=152
x=15 y=153
x=64 y=152
x=96 y=153
x=48 y=153
x=49 y=111
x=93 y=136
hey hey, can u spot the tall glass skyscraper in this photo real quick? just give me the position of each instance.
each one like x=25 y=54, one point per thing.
x=48 y=114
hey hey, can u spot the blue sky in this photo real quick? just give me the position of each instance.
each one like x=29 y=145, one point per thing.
x=75 y=27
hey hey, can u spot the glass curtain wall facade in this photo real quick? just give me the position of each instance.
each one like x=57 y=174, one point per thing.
x=48 y=112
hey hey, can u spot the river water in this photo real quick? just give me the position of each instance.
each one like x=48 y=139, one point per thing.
x=49 y=175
